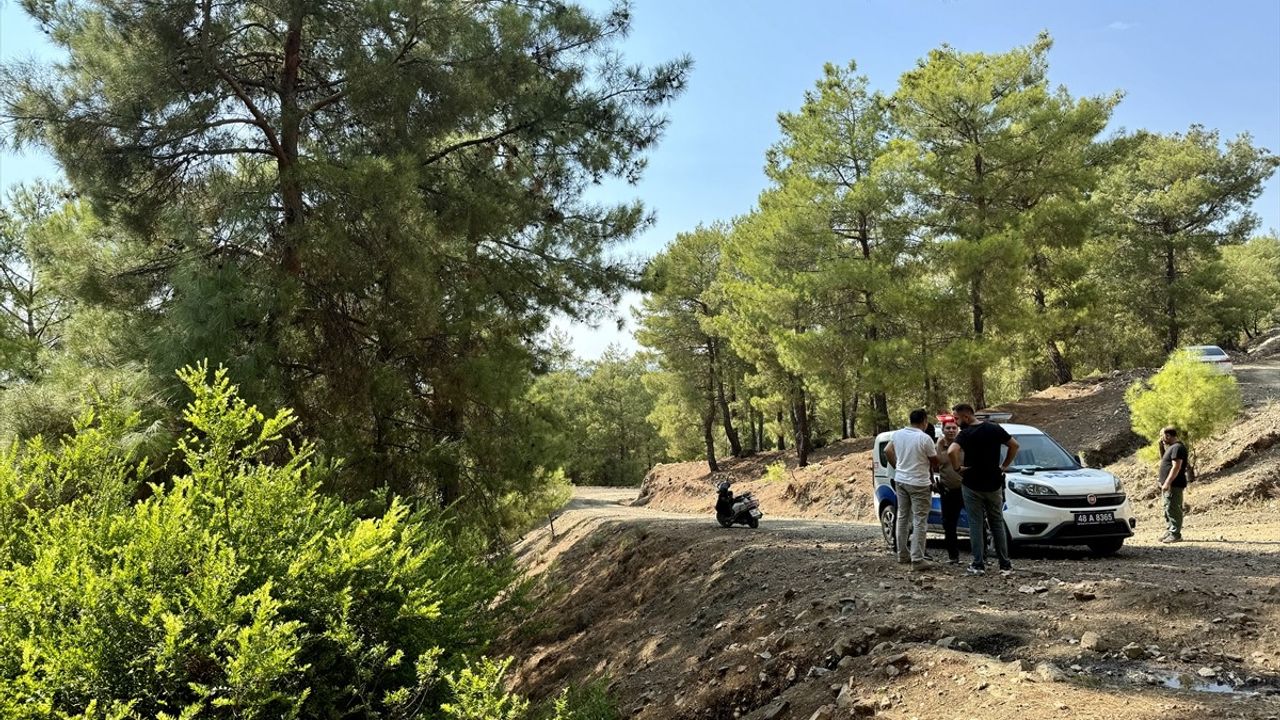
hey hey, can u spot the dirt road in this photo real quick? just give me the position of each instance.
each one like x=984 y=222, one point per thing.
x=687 y=620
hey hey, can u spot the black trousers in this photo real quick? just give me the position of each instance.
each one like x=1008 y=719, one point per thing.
x=952 y=504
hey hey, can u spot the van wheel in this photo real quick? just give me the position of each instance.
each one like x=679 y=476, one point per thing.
x=1108 y=546
x=888 y=519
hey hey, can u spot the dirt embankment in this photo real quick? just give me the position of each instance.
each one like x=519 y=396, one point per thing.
x=809 y=619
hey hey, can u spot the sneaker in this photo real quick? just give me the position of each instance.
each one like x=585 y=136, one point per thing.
x=1170 y=538
x=1006 y=567
x=977 y=570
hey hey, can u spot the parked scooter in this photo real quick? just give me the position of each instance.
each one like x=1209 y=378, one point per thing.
x=740 y=510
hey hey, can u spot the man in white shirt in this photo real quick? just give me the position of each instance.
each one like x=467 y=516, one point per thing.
x=913 y=455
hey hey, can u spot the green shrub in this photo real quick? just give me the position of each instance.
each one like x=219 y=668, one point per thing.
x=1185 y=393
x=235 y=591
x=776 y=472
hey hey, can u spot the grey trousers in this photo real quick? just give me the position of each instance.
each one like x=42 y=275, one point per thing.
x=913 y=518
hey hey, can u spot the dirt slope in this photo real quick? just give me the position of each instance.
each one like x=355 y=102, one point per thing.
x=687 y=620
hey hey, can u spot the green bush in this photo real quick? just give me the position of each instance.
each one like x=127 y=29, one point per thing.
x=1185 y=393
x=776 y=472
x=235 y=591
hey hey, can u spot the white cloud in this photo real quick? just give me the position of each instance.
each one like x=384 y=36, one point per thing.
x=1119 y=25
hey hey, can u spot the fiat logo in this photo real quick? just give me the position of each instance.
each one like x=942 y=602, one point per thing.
x=1093 y=499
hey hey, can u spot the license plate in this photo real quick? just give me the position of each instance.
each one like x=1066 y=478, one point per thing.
x=756 y=513
x=1096 y=518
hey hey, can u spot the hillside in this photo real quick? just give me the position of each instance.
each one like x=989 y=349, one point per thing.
x=810 y=618
x=1088 y=416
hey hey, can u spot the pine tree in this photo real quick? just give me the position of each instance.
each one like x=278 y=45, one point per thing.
x=366 y=210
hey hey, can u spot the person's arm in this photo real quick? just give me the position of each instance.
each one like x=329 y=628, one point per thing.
x=932 y=454
x=953 y=456
x=1012 y=453
x=891 y=455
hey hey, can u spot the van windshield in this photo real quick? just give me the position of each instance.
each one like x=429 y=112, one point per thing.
x=1040 y=452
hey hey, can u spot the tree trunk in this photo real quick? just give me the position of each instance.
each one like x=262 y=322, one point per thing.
x=782 y=437
x=977 y=383
x=800 y=415
x=708 y=422
x=730 y=432
x=1170 y=308
x=844 y=420
x=287 y=162
x=1061 y=369
x=880 y=405
x=853 y=414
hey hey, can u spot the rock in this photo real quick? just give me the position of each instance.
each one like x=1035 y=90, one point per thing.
x=791 y=675
x=1020 y=666
x=775 y=709
x=898 y=660
x=947 y=642
x=1207 y=672
x=1091 y=641
x=1083 y=596
x=1049 y=672
x=846 y=698
x=846 y=662
x=892 y=671
x=881 y=647
x=863 y=708
x=1033 y=589
x=817 y=672
x=1134 y=651
x=823 y=713
x=838 y=649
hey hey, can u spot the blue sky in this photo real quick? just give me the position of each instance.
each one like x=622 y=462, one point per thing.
x=1178 y=63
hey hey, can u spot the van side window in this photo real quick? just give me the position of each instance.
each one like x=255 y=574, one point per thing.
x=884 y=459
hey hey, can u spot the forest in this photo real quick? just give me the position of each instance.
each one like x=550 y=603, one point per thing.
x=277 y=382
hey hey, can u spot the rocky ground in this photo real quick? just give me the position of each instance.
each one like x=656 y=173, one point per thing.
x=810 y=616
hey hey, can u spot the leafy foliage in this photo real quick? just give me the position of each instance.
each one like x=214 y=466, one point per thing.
x=237 y=590
x=1187 y=394
x=596 y=417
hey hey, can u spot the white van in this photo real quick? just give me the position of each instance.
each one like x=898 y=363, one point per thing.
x=1050 y=497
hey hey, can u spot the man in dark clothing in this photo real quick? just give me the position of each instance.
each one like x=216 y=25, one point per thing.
x=1173 y=481
x=983 y=482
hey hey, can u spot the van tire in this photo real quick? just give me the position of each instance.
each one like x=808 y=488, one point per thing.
x=1106 y=546
x=888 y=519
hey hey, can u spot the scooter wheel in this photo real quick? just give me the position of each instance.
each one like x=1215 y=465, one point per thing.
x=725 y=523
x=753 y=523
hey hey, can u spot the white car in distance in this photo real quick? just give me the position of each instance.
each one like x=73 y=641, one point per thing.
x=1214 y=355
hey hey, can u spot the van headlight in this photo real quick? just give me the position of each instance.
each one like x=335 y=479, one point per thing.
x=1031 y=489
x=1119 y=485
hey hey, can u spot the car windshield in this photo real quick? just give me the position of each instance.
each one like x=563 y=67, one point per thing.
x=1209 y=351
x=1040 y=452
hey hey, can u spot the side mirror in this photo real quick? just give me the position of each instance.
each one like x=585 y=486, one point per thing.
x=1079 y=462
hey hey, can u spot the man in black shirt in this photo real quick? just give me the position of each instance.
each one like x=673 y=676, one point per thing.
x=983 y=482
x=1173 y=481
